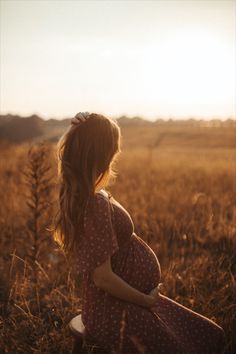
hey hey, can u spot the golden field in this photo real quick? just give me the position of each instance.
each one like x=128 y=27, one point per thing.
x=178 y=184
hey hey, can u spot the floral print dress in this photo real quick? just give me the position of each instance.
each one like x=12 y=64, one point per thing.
x=123 y=327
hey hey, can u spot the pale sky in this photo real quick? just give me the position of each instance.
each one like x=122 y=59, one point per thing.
x=148 y=58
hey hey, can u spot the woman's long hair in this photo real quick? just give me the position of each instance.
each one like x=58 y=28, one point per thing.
x=86 y=154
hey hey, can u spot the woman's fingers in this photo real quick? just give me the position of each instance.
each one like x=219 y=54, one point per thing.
x=155 y=292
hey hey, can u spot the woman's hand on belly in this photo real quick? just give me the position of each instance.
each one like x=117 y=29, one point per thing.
x=154 y=295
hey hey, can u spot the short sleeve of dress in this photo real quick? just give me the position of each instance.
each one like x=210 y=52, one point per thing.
x=99 y=238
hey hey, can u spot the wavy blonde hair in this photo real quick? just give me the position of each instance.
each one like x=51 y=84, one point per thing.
x=86 y=155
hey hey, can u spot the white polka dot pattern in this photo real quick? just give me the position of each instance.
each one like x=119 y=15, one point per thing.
x=99 y=239
x=124 y=327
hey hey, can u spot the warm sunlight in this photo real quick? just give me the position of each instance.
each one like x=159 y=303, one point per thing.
x=190 y=68
x=147 y=58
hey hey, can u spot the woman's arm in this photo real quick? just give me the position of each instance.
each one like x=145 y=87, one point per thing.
x=107 y=280
x=117 y=287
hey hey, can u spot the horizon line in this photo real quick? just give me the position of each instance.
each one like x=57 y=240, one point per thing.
x=164 y=117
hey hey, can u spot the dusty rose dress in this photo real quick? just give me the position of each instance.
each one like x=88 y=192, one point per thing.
x=168 y=327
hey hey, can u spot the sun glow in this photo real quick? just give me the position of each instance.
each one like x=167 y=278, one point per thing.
x=190 y=67
x=147 y=58
x=192 y=64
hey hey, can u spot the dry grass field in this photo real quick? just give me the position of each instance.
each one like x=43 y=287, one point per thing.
x=178 y=185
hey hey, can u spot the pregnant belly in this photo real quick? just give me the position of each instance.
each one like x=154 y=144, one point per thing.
x=141 y=268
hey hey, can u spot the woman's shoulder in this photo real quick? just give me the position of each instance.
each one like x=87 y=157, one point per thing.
x=98 y=204
x=103 y=192
x=100 y=198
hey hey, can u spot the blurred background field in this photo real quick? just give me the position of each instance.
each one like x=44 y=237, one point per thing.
x=177 y=180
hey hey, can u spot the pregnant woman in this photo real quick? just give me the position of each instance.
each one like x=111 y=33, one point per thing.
x=122 y=308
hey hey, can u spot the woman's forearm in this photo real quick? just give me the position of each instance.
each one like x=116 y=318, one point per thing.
x=119 y=288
